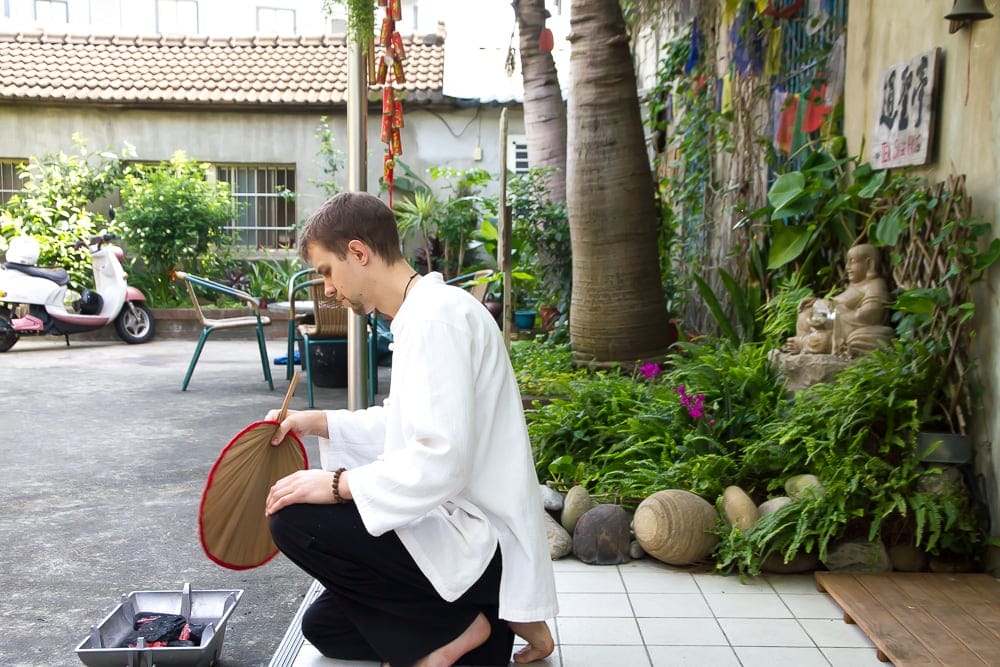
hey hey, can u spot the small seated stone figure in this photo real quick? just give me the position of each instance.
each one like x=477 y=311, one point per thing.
x=852 y=322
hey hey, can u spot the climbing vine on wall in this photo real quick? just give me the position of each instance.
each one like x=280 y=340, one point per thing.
x=739 y=92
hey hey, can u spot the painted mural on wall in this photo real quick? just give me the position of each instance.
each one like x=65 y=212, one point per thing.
x=903 y=113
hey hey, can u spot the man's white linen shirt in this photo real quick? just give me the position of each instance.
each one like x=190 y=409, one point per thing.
x=445 y=461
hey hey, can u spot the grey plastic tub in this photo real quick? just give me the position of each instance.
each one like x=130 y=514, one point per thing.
x=211 y=608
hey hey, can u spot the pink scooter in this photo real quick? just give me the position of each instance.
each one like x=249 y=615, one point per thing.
x=37 y=301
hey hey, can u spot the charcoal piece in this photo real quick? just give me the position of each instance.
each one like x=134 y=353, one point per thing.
x=155 y=628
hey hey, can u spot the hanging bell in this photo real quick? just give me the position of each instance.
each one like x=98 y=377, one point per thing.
x=968 y=10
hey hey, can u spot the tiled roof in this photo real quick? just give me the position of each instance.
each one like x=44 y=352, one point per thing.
x=192 y=71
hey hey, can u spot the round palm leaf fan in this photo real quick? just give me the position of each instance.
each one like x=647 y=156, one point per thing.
x=231 y=523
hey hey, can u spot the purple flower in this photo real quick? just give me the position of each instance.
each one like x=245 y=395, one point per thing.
x=694 y=406
x=650 y=371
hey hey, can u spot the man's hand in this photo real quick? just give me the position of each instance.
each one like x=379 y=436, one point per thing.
x=299 y=422
x=304 y=486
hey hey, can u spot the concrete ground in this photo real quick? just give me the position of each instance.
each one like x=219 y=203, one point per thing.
x=102 y=463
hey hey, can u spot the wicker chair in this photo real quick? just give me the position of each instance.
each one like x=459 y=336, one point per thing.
x=255 y=319
x=474 y=283
x=330 y=326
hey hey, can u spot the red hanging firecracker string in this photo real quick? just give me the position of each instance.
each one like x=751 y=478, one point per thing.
x=397 y=143
x=397 y=46
x=387 y=73
x=397 y=114
x=385 y=34
x=388 y=169
x=386 y=134
x=388 y=101
x=383 y=70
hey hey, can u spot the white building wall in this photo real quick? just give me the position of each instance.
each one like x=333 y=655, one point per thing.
x=441 y=138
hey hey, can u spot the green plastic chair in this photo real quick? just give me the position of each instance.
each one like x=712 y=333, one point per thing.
x=209 y=324
x=298 y=282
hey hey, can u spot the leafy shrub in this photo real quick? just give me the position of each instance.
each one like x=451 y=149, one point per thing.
x=715 y=415
x=175 y=218
x=543 y=368
x=52 y=205
x=543 y=227
x=857 y=435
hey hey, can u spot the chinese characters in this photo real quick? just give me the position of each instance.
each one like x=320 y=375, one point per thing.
x=903 y=126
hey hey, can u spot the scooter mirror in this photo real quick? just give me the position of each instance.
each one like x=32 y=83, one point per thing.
x=111 y=212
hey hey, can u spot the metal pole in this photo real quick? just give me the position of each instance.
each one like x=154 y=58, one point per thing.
x=504 y=234
x=357 y=181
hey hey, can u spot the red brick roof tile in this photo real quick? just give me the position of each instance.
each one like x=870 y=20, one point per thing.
x=193 y=71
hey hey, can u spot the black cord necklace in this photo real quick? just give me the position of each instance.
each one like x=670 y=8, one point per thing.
x=407 y=288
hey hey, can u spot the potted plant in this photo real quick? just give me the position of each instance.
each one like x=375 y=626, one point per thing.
x=541 y=232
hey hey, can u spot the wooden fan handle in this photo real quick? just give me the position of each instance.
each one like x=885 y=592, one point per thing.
x=288 y=397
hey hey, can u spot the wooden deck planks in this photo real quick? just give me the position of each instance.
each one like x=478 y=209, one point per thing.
x=922 y=618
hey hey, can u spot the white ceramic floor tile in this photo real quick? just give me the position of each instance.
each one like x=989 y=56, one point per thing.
x=696 y=656
x=669 y=605
x=743 y=605
x=309 y=656
x=834 y=633
x=853 y=657
x=717 y=583
x=658 y=581
x=816 y=605
x=755 y=656
x=603 y=580
x=652 y=564
x=571 y=564
x=764 y=632
x=681 y=631
x=604 y=656
x=598 y=631
x=594 y=604
x=795 y=584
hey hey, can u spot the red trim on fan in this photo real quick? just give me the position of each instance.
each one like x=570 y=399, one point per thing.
x=208 y=483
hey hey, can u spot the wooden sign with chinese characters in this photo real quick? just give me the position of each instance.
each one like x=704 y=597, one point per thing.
x=903 y=114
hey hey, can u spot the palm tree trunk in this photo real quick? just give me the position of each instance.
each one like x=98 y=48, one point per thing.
x=618 y=307
x=544 y=109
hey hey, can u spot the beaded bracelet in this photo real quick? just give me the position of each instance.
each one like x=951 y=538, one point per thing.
x=335 y=486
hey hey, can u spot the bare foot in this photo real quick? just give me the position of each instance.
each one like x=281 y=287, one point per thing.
x=540 y=644
x=446 y=656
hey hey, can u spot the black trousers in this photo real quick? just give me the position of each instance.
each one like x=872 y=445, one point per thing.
x=378 y=605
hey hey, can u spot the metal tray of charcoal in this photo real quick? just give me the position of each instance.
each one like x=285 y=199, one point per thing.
x=210 y=608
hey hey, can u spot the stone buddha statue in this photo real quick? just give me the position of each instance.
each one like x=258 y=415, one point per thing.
x=852 y=322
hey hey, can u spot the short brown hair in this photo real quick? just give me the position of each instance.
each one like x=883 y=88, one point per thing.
x=352 y=216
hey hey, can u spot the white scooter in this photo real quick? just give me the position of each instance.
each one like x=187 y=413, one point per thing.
x=37 y=301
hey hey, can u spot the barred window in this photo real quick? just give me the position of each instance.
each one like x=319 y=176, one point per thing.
x=266 y=217
x=9 y=181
